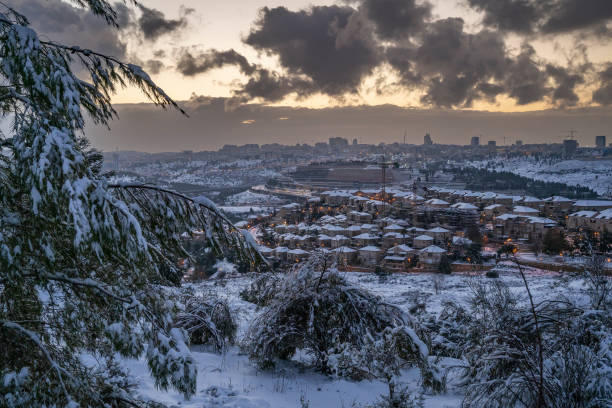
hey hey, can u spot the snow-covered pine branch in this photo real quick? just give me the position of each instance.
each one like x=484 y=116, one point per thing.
x=85 y=269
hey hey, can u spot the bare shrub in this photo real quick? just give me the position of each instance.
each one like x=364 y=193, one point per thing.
x=208 y=320
x=600 y=285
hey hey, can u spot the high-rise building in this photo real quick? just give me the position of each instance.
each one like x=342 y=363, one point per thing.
x=475 y=141
x=518 y=143
x=427 y=139
x=569 y=147
x=492 y=143
x=600 y=142
x=338 y=142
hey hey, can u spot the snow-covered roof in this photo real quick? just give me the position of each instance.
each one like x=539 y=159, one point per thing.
x=394 y=258
x=365 y=235
x=291 y=206
x=541 y=220
x=605 y=214
x=241 y=224
x=297 y=251
x=360 y=213
x=338 y=238
x=523 y=209
x=438 y=230
x=392 y=234
x=557 y=199
x=423 y=238
x=433 y=249
x=369 y=248
x=314 y=199
x=265 y=250
x=394 y=227
x=593 y=203
x=584 y=214
x=399 y=248
x=531 y=199
x=331 y=227
x=464 y=206
x=281 y=249
x=436 y=201
x=507 y=216
x=493 y=206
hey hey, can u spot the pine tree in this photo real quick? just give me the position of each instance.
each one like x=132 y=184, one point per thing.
x=85 y=266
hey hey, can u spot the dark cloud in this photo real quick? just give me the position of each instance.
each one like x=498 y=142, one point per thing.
x=59 y=21
x=331 y=50
x=397 y=18
x=153 y=23
x=545 y=16
x=526 y=81
x=154 y=66
x=569 y=15
x=566 y=81
x=273 y=87
x=603 y=95
x=191 y=65
x=319 y=43
x=456 y=62
x=510 y=15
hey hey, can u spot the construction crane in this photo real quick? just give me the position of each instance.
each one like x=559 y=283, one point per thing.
x=384 y=165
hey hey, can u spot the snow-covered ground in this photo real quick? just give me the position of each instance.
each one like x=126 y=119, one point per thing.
x=249 y=198
x=231 y=380
x=595 y=174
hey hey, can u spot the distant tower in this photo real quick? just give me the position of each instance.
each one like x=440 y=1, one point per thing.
x=355 y=142
x=406 y=134
x=427 y=139
x=475 y=141
x=570 y=145
x=600 y=142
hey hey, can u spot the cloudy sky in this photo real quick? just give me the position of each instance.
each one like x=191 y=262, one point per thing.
x=436 y=56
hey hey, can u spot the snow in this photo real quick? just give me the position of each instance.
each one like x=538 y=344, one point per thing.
x=595 y=174
x=230 y=380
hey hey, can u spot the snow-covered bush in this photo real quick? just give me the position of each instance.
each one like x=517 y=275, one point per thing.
x=317 y=311
x=263 y=289
x=208 y=320
x=552 y=355
x=224 y=269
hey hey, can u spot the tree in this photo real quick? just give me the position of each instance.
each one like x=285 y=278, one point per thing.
x=445 y=265
x=86 y=267
x=473 y=233
x=554 y=242
x=473 y=253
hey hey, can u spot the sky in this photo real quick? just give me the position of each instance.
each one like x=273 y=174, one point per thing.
x=437 y=56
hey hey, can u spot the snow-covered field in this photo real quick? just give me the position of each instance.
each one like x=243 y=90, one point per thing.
x=231 y=380
x=595 y=174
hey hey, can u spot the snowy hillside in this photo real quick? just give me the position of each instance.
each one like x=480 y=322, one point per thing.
x=595 y=174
